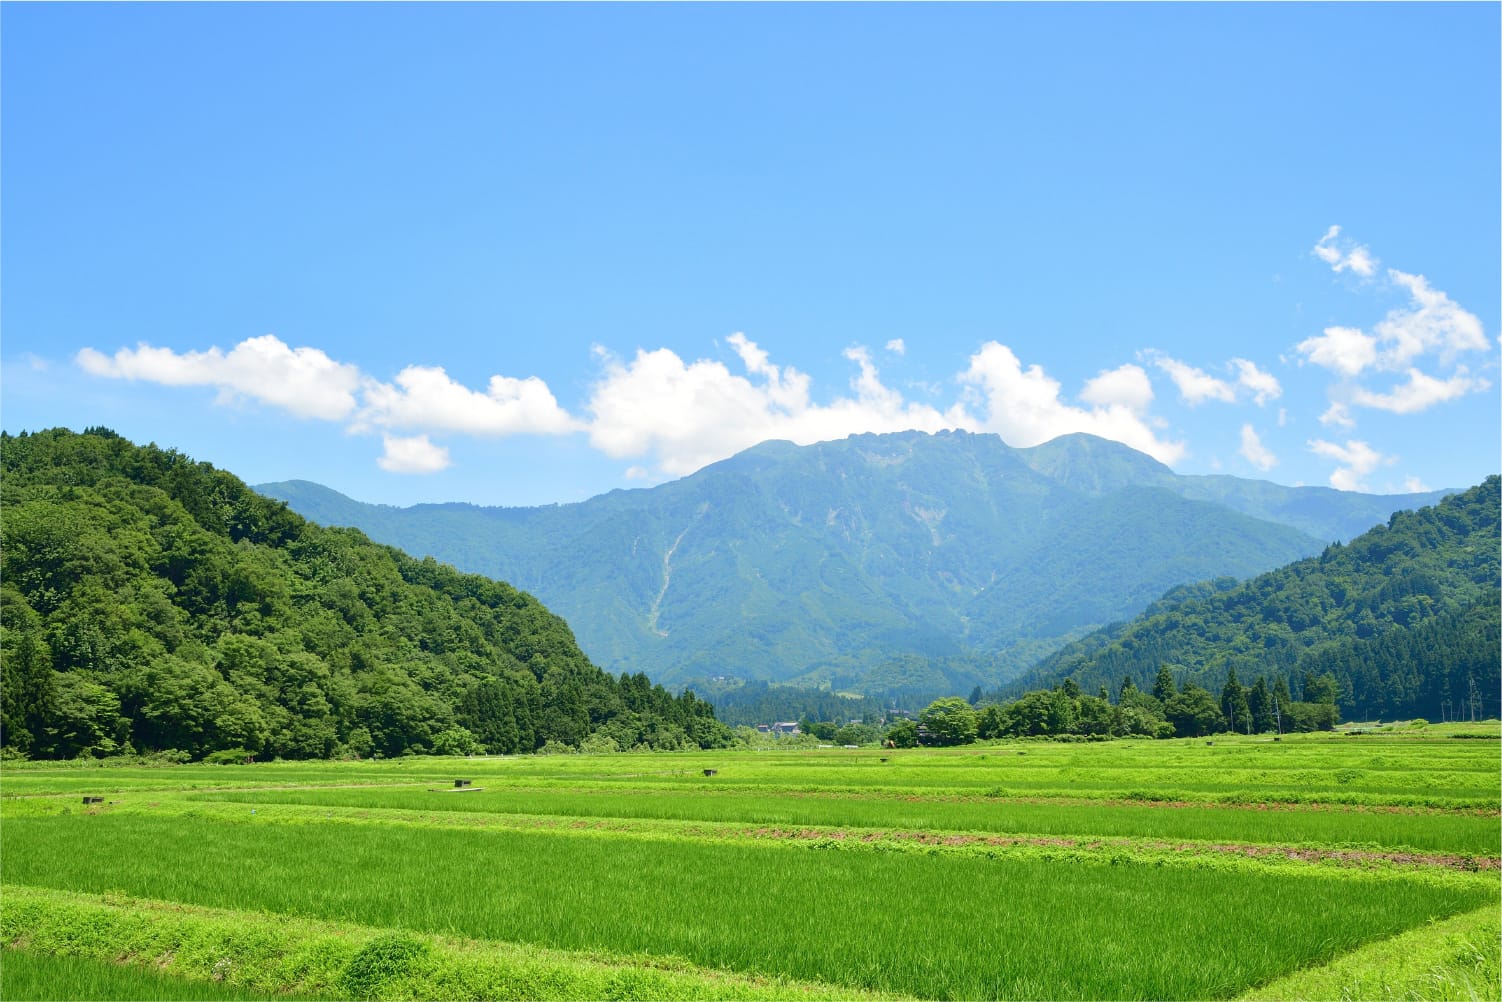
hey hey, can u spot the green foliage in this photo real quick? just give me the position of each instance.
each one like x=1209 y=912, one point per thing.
x=387 y=958
x=948 y=721
x=903 y=734
x=152 y=603
x=1402 y=621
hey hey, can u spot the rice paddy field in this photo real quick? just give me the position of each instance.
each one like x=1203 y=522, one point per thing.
x=1344 y=865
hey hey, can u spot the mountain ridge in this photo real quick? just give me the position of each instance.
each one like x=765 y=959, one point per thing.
x=824 y=563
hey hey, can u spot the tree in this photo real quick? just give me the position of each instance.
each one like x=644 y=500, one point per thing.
x=949 y=721
x=1163 y=686
x=903 y=734
x=1193 y=712
x=1260 y=705
x=1233 y=704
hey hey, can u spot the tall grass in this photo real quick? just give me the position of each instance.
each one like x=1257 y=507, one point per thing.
x=942 y=926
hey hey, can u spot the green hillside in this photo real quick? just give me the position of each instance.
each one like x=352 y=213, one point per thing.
x=898 y=564
x=153 y=603
x=1404 y=618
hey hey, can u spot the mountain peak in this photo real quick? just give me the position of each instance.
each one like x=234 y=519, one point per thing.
x=1094 y=465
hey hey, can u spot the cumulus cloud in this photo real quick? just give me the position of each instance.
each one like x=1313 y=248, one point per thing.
x=1263 y=386
x=1355 y=258
x=665 y=414
x=425 y=397
x=1127 y=386
x=1254 y=452
x=1356 y=459
x=1346 y=350
x=1195 y=385
x=689 y=414
x=412 y=455
x=304 y=381
x=1024 y=406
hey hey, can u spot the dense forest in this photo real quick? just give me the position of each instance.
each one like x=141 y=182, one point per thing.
x=152 y=604
x=1404 y=619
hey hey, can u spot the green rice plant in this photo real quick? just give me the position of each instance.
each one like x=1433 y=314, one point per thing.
x=937 y=925
x=1455 y=960
x=114 y=946
x=1427 y=831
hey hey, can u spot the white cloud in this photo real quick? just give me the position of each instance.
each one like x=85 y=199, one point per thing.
x=1338 y=414
x=1254 y=452
x=1346 y=350
x=1024 y=407
x=1413 y=485
x=1432 y=323
x=897 y=346
x=1429 y=324
x=1262 y=385
x=304 y=381
x=1195 y=385
x=1127 y=386
x=412 y=455
x=1356 y=258
x=689 y=414
x=1419 y=393
x=425 y=397
x=1356 y=459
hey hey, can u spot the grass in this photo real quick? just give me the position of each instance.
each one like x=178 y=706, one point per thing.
x=41 y=977
x=941 y=926
x=637 y=876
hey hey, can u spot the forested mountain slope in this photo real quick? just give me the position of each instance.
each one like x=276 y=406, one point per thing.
x=1405 y=617
x=150 y=602
x=889 y=564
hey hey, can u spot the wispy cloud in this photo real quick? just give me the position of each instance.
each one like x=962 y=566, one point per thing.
x=1263 y=386
x=1429 y=328
x=1254 y=452
x=1354 y=257
x=1356 y=460
x=1195 y=385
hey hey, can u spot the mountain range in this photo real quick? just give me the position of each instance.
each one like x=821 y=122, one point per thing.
x=904 y=563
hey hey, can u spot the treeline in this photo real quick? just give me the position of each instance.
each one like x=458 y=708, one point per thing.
x=756 y=702
x=1405 y=618
x=1165 y=711
x=152 y=603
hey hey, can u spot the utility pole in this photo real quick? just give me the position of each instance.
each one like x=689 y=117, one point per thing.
x=1278 y=714
x=1475 y=696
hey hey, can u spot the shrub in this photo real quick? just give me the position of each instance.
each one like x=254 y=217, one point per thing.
x=381 y=961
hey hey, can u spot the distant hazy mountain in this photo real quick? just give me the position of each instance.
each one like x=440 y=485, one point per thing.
x=880 y=563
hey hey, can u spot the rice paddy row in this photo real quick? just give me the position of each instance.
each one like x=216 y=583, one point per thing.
x=935 y=874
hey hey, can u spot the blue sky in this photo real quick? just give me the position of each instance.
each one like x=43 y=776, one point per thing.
x=524 y=254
